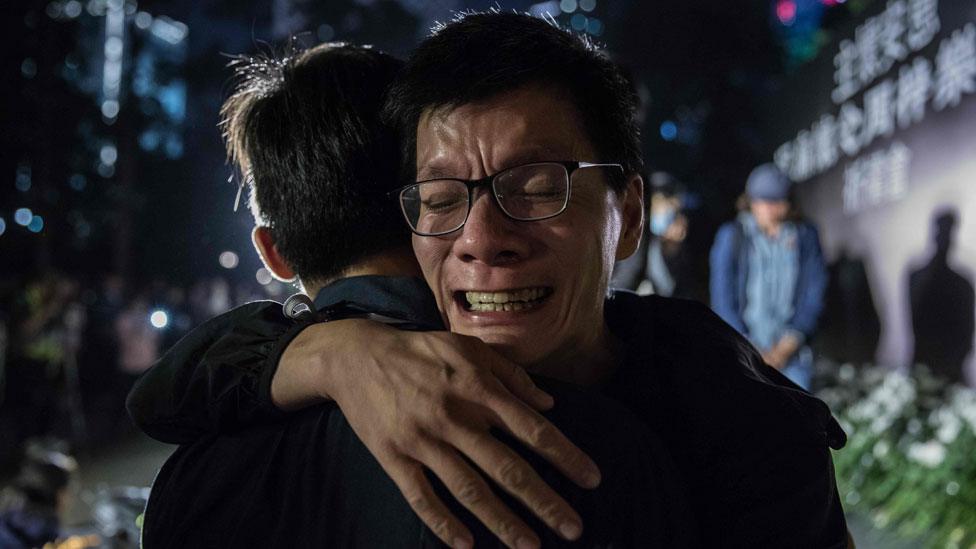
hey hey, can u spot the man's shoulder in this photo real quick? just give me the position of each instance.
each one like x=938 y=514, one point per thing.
x=664 y=323
x=807 y=232
x=683 y=348
x=684 y=345
x=733 y=228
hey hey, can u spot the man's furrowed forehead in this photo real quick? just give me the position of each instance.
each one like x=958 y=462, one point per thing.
x=444 y=166
x=528 y=124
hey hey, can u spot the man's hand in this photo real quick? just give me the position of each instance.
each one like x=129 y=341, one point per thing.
x=781 y=353
x=428 y=399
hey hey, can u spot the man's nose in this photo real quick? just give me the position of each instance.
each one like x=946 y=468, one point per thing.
x=489 y=236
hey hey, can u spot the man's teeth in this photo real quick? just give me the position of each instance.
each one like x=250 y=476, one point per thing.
x=504 y=301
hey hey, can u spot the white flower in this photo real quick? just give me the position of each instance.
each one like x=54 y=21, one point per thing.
x=948 y=426
x=881 y=448
x=880 y=519
x=880 y=424
x=846 y=372
x=963 y=403
x=931 y=454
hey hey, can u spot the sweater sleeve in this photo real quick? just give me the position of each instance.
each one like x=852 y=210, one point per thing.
x=217 y=378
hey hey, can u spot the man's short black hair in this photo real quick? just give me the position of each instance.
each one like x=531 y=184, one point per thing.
x=481 y=55
x=305 y=132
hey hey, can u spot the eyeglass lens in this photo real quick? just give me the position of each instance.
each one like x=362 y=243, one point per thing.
x=533 y=191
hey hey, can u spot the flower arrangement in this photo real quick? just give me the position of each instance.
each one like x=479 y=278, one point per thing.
x=910 y=461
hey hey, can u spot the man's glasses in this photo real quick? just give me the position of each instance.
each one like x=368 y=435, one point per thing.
x=530 y=192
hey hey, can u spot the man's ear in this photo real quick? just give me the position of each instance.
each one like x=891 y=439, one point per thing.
x=265 y=245
x=632 y=219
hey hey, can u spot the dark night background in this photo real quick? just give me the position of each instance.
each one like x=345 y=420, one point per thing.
x=703 y=67
x=116 y=202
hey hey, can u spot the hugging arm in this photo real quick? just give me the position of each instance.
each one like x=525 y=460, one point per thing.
x=213 y=379
x=416 y=399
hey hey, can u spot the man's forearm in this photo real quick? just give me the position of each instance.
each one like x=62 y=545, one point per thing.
x=304 y=374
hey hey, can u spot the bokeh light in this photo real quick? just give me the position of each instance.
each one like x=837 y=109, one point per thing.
x=669 y=130
x=159 y=319
x=23 y=216
x=36 y=224
x=228 y=259
x=786 y=11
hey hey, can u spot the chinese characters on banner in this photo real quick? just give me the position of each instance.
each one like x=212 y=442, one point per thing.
x=892 y=100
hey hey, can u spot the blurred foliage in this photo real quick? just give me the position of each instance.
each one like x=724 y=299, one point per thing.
x=908 y=464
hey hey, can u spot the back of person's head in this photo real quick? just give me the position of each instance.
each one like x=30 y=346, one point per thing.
x=305 y=132
x=479 y=56
x=665 y=184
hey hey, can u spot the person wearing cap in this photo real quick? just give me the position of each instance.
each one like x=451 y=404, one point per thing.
x=768 y=275
x=662 y=263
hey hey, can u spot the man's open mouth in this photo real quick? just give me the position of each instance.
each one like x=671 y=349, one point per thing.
x=507 y=300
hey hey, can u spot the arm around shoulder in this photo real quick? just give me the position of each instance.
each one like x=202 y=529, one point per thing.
x=212 y=377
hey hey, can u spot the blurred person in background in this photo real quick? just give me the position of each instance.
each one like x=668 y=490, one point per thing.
x=31 y=504
x=35 y=388
x=768 y=276
x=174 y=303
x=661 y=265
x=138 y=338
x=99 y=354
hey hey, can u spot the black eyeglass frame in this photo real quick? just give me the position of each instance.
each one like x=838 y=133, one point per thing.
x=571 y=166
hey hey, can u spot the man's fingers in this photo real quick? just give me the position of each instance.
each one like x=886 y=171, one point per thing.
x=517 y=477
x=471 y=490
x=546 y=440
x=516 y=380
x=414 y=486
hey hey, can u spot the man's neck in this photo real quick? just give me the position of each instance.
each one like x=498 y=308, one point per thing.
x=399 y=262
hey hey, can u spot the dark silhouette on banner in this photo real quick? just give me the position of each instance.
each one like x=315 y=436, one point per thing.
x=851 y=328
x=942 y=302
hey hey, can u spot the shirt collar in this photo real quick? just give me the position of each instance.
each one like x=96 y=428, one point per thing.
x=751 y=228
x=403 y=297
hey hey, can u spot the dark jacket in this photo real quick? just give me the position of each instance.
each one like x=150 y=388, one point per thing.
x=752 y=450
